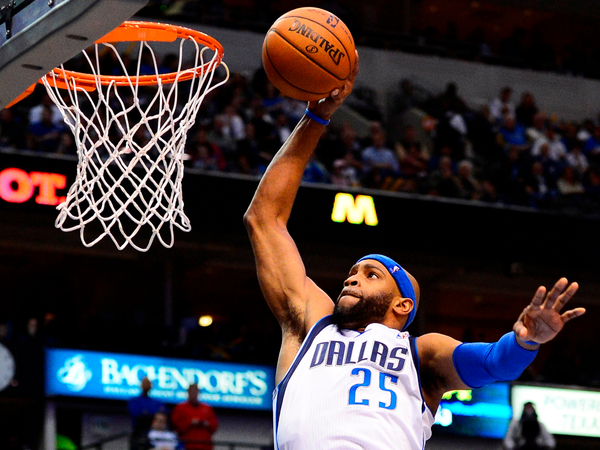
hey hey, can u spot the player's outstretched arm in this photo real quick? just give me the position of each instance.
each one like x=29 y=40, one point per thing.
x=281 y=273
x=447 y=364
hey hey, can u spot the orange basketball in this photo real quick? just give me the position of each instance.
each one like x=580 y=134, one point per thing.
x=307 y=53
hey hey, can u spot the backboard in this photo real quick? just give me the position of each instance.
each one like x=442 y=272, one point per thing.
x=38 y=35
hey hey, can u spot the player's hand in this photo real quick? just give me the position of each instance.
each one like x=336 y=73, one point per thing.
x=326 y=107
x=542 y=320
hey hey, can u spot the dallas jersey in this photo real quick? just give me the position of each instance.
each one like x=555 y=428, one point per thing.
x=351 y=390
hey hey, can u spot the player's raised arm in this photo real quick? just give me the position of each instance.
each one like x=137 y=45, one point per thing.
x=446 y=364
x=294 y=299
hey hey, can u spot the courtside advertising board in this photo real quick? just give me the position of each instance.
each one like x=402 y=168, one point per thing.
x=115 y=376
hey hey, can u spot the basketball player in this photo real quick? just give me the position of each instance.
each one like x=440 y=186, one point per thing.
x=349 y=376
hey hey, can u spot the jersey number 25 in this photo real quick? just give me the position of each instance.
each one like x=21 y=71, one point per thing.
x=367 y=382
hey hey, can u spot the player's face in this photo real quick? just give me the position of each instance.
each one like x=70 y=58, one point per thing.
x=365 y=298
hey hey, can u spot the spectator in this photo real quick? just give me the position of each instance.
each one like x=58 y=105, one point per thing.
x=405 y=98
x=556 y=148
x=537 y=129
x=205 y=154
x=413 y=160
x=569 y=135
x=586 y=130
x=266 y=134
x=44 y=135
x=552 y=167
x=346 y=146
x=540 y=188
x=379 y=162
x=251 y=159
x=443 y=182
x=528 y=433
x=344 y=174
x=526 y=110
x=501 y=106
x=272 y=101
x=29 y=358
x=469 y=186
x=482 y=133
x=221 y=135
x=568 y=184
x=408 y=140
x=195 y=422
x=512 y=135
x=489 y=192
x=36 y=113
x=160 y=437
x=315 y=172
x=576 y=159
x=282 y=127
x=452 y=100
x=141 y=411
x=234 y=122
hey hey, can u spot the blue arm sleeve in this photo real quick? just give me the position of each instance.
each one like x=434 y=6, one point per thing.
x=478 y=364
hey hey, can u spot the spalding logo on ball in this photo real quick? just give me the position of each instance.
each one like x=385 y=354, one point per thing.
x=307 y=53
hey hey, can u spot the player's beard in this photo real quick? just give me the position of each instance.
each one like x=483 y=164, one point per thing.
x=368 y=309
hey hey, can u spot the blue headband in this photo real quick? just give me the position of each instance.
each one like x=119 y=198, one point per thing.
x=402 y=280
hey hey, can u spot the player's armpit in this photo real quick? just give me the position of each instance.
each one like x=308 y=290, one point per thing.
x=438 y=374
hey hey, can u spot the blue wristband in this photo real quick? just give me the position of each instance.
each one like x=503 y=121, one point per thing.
x=316 y=118
x=531 y=343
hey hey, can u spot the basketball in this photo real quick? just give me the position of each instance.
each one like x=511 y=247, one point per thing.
x=307 y=53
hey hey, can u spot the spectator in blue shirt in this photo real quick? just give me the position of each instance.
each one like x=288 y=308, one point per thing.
x=142 y=410
x=513 y=134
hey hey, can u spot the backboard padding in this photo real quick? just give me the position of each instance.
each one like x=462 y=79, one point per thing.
x=45 y=42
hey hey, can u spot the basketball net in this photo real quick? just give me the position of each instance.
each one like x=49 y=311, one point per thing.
x=131 y=144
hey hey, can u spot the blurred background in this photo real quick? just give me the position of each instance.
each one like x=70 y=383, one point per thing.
x=489 y=113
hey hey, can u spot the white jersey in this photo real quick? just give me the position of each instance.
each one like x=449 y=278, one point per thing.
x=349 y=390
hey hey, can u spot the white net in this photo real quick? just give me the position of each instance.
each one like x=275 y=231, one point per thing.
x=131 y=145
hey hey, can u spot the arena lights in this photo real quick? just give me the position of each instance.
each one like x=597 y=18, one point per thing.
x=205 y=321
x=355 y=211
x=17 y=186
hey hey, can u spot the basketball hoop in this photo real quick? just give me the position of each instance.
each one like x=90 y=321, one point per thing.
x=131 y=143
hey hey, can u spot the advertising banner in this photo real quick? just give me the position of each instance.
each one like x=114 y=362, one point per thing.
x=484 y=412
x=572 y=412
x=117 y=376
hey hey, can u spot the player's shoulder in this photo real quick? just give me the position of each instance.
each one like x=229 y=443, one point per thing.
x=432 y=344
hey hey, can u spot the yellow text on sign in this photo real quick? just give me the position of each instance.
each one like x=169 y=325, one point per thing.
x=465 y=395
x=355 y=211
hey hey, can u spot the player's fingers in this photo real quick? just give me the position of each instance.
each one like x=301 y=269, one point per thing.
x=348 y=84
x=557 y=289
x=566 y=296
x=538 y=297
x=356 y=66
x=571 y=314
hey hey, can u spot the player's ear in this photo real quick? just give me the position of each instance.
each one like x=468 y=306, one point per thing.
x=402 y=305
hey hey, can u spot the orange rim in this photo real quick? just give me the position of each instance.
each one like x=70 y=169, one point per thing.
x=132 y=31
